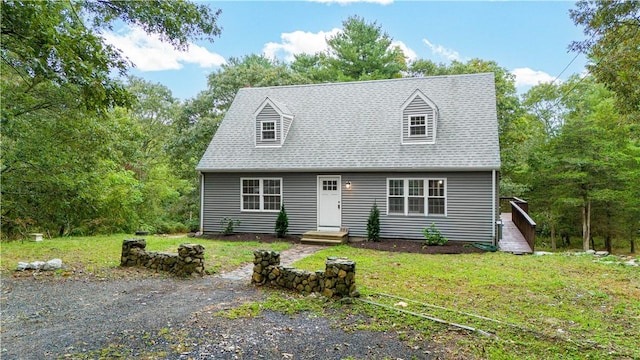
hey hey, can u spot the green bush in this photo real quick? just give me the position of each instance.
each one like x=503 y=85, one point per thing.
x=433 y=236
x=373 y=223
x=193 y=225
x=228 y=224
x=282 y=223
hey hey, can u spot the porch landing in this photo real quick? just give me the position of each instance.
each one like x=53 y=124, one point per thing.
x=325 y=237
x=512 y=240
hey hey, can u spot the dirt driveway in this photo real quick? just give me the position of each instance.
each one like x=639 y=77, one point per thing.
x=167 y=318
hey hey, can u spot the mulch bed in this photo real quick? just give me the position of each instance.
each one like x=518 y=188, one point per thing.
x=393 y=245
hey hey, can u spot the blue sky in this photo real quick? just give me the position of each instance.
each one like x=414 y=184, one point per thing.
x=529 y=38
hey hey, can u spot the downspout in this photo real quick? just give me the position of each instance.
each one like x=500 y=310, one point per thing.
x=493 y=207
x=201 y=202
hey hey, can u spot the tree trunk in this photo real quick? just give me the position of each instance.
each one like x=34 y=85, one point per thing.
x=553 y=235
x=585 y=235
x=607 y=243
x=633 y=246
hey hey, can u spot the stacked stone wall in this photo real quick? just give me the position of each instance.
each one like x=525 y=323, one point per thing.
x=337 y=280
x=189 y=259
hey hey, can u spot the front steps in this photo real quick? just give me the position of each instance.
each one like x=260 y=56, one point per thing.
x=325 y=237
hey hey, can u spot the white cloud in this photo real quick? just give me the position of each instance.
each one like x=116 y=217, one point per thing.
x=440 y=50
x=149 y=53
x=298 y=42
x=408 y=52
x=529 y=77
x=346 y=2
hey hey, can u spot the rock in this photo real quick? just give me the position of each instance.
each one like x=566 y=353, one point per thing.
x=590 y=252
x=36 y=265
x=542 y=253
x=601 y=253
x=631 y=263
x=22 y=266
x=53 y=264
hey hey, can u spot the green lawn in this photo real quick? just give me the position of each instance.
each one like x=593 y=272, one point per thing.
x=99 y=254
x=558 y=306
x=564 y=307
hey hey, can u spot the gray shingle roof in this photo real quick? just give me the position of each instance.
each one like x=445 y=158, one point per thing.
x=357 y=126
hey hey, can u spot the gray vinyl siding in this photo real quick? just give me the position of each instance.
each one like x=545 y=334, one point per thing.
x=469 y=205
x=286 y=123
x=268 y=113
x=222 y=199
x=418 y=107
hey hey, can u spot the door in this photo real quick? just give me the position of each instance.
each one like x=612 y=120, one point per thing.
x=329 y=206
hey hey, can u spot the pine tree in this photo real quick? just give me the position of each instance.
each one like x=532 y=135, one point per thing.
x=373 y=223
x=282 y=223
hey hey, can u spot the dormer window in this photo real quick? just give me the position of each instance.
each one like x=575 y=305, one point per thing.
x=419 y=120
x=268 y=131
x=273 y=121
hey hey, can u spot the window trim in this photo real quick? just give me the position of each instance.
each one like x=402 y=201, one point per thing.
x=262 y=130
x=261 y=194
x=409 y=126
x=425 y=196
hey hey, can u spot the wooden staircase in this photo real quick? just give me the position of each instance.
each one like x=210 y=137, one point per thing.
x=325 y=237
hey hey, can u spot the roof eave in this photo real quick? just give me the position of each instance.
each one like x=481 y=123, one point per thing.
x=372 y=169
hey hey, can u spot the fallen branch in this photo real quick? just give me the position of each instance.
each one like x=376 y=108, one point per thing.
x=465 y=327
x=456 y=311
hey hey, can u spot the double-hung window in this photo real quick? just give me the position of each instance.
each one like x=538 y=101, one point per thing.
x=417 y=125
x=416 y=197
x=261 y=194
x=268 y=131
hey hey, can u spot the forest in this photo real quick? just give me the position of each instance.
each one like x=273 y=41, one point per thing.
x=88 y=149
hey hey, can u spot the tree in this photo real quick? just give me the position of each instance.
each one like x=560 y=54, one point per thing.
x=363 y=52
x=282 y=223
x=587 y=165
x=613 y=39
x=248 y=71
x=48 y=43
x=373 y=223
x=67 y=147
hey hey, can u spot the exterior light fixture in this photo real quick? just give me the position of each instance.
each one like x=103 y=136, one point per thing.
x=348 y=185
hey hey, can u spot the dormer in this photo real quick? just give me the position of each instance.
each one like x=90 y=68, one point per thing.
x=419 y=119
x=273 y=121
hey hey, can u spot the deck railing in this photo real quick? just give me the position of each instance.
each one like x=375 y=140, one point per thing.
x=524 y=223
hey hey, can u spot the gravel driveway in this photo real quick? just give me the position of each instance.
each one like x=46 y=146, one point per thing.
x=168 y=318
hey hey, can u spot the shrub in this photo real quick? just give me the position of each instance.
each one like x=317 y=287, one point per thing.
x=282 y=223
x=433 y=236
x=228 y=224
x=373 y=223
x=193 y=225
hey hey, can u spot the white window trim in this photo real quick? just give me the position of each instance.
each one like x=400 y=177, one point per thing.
x=262 y=130
x=405 y=195
x=409 y=126
x=261 y=194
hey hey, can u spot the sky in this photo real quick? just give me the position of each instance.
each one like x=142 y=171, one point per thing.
x=529 y=38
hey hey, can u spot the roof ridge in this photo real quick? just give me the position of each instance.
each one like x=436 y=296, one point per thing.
x=345 y=83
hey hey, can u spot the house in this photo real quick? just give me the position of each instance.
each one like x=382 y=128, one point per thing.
x=425 y=150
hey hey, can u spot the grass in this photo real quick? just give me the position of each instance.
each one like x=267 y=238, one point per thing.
x=100 y=254
x=564 y=307
x=568 y=306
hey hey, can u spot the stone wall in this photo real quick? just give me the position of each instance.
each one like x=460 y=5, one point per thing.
x=337 y=280
x=189 y=260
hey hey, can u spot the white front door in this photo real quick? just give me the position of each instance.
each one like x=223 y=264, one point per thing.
x=329 y=196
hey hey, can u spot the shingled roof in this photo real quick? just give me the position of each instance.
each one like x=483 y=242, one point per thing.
x=356 y=126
